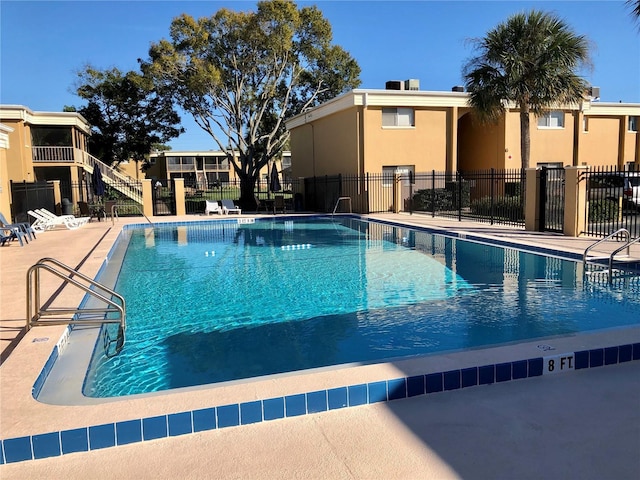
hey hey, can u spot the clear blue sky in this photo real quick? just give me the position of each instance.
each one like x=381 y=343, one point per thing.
x=43 y=44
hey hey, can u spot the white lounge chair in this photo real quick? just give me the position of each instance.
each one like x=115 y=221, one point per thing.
x=46 y=220
x=212 y=207
x=229 y=207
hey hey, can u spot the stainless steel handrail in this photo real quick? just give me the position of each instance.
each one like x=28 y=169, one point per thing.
x=338 y=202
x=611 y=257
x=114 y=214
x=623 y=231
x=35 y=312
x=615 y=252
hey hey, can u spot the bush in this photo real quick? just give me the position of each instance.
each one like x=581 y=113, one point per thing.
x=604 y=210
x=442 y=199
x=510 y=208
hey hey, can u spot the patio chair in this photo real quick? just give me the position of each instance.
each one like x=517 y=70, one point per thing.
x=278 y=204
x=12 y=233
x=25 y=227
x=229 y=207
x=212 y=207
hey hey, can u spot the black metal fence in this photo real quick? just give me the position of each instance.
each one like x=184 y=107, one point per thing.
x=74 y=192
x=369 y=193
x=195 y=197
x=552 y=192
x=489 y=196
x=613 y=201
x=29 y=196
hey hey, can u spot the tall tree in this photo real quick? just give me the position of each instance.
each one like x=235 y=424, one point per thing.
x=531 y=61
x=126 y=116
x=241 y=75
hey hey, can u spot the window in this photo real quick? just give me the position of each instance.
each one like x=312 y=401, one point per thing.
x=585 y=124
x=553 y=119
x=398 y=117
x=389 y=172
x=633 y=124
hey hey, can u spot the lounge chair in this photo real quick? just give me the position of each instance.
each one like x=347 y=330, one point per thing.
x=212 y=207
x=25 y=227
x=229 y=207
x=45 y=220
x=65 y=219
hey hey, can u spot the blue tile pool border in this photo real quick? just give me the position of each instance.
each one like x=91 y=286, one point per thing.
x=96 y=437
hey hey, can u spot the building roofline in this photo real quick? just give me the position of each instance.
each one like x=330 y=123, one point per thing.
x=20 y=112
x=425 y=98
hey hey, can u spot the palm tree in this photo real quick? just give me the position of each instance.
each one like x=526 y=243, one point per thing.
x=530 y=61
x=635 y=8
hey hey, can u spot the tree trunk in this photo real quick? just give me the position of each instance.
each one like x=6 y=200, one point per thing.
x=247 y=192
x=525 y=135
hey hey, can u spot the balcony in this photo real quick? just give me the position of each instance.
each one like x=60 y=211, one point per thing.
x=54 y=154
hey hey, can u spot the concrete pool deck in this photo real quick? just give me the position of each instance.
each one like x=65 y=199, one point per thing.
x=582 y=424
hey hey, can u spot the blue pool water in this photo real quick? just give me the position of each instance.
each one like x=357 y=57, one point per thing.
x=219 y=301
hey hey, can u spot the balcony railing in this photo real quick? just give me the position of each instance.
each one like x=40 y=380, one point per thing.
x=53 y=154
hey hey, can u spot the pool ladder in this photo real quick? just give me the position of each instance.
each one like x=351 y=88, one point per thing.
x=110 y=307
x=338 y=203
x=613 y=257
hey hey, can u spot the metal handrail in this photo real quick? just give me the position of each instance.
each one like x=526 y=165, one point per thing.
x=35 y=312
x=615 y=252
x=611 y=257
x=338 y=202
x=121 y=182
x=114 y=214
x=623 y=231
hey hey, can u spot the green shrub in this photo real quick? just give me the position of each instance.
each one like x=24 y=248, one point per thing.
x=510 y=208
x=442 y=199
x=604 y=210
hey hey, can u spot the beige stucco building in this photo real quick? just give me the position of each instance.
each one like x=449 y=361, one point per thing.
x=386 y=131
x=205 y=168
x=51 y=147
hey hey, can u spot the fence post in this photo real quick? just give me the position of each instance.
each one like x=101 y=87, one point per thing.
x=147 y=197
x=178 y=192
x=433 y=193
x=492 y=187
x=57 y=196
x=397 y=192
x=532 y=200
x=575 y=201
x=411 y=182
x=459 y=184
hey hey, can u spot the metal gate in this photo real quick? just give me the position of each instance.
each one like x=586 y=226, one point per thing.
x=29 y=196
x=552 y=199
x=164 y=198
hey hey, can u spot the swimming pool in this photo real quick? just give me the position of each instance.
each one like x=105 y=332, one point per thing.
x=219 y=301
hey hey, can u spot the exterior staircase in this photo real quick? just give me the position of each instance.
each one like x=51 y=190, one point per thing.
x=123 y=183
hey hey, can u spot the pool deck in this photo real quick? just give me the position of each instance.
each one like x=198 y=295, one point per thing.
x=580 y=424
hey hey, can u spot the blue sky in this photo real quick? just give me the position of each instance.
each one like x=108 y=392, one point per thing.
x=43 y=44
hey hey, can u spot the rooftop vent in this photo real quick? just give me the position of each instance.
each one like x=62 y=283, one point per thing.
x=394 y=85
x=457 y=88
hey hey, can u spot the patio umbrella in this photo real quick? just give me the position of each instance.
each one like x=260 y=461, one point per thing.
x=98 y=183
x=274 y=181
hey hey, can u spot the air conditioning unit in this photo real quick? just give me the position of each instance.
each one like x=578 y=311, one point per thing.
x=457 y=88
x=412 y=84
x=594 y=92
x=394 y=85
